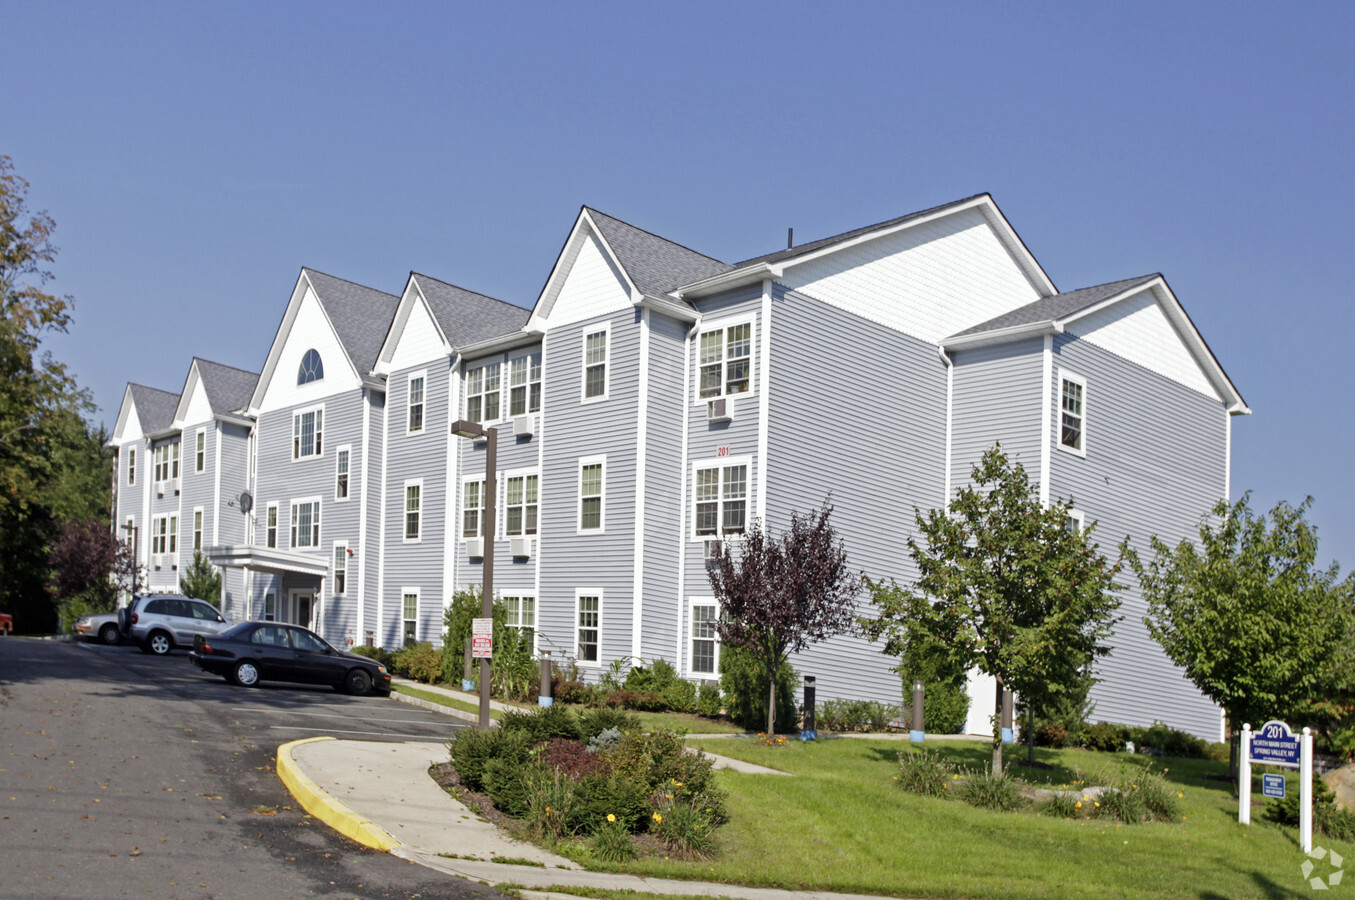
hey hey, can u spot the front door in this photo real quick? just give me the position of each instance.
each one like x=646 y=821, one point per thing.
x=303 y=603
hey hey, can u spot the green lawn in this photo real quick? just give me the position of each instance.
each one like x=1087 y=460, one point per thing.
x=843 y=825
x=444 y=700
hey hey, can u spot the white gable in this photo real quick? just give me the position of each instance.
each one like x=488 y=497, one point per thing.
x=310 y=331
x=419 y=342
x=128 y=427
x=929 y=281
x=1138 y=330
x=199 y=409
x=592 y=287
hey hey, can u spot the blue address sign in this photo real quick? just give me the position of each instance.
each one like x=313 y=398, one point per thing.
x=1275 y=744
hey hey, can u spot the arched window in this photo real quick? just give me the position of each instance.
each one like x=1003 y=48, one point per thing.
x=312 y=369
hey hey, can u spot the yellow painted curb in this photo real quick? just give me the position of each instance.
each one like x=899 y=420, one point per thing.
x=319 y=803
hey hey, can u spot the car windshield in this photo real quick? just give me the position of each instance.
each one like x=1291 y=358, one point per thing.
x=238 y=631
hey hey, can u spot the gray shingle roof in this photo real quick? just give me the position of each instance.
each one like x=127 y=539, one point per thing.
x=228 y=388
x=1057 y=306
x=655 y=264
x=361 y=316
x=466 y=317
x=154 y=407
x=801 y=249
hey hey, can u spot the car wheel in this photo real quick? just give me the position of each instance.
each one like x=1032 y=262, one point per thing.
x=358 y=683
x=158 y=643
x=247 y=674
x=109 y=634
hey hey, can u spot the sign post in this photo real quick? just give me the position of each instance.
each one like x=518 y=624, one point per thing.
x=1274 y=744
x=482 y=638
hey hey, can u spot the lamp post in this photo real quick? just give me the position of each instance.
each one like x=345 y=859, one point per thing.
x=468 y=429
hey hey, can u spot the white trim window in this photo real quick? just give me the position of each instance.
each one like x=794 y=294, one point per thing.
x=520 y=505
x=1075 y=521
x=721 y=494
x=520 y=613
x=200 y=451
x=312 y=368
x=305 y=524
x=588 y=628
x=167 y=461
x=341 y=457
x=271 y=526
x=592 y=491
x=413 y=511
x=197 y=529
x=131 y=465
x=409 y=610
x=1072 y=413
x=595 y=363
x=340 y=568
x=703 y=657
x=414 y=420
x=725 y=361
x=524 y=384
x=163 y=535
x=482 y=393
x=472 y=506
x=307 y=427
x=270 y=607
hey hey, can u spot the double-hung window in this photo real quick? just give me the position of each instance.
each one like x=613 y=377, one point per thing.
x=1072 y=413
x=416 y=383
x=482 y=393
x=588 y=628
x=131 y=465
x=721 y=500
x=167 y=461
x=410 y=610
x=340 y=569
x=413 y=505
x=200 y=452
x=592 y=484
x=341 y=473
x=595 y=364
x=520 y=505
x=306 y=524
x=524 y=384
x=197 y=530
x=705 y=643
x=521 y=613
x=306 y=430
x=472 y=507
x=174 y=460
x=159 y=534
x=726 y=360
x=271 y=525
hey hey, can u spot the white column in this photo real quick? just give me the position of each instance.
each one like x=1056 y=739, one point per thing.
x=1244 y=777
x=1306 y=791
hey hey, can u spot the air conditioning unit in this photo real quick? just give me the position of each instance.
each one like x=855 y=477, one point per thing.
x=475 y=548
x=708 y=548
x=158 y=560
x=160 y=489
x=520 y=546
x=174 y=485
x=720 y=409
x=524 y=426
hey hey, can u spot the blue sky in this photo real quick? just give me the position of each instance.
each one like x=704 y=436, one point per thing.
x=196 y=156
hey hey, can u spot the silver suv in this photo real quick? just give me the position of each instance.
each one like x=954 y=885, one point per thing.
x=161 y=622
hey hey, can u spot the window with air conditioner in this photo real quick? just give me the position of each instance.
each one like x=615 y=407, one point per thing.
x=482 y=393
x=721 y=499
x=725 y=360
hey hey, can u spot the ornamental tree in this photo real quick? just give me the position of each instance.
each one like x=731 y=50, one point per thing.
x=90 y=565
x=1004 y=586
x=1247 y=615
x=201 y=580
x=779 y=595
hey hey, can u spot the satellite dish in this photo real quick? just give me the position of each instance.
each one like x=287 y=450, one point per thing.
x=246 y=502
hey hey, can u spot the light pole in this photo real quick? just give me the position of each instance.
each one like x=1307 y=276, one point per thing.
x=468 y=429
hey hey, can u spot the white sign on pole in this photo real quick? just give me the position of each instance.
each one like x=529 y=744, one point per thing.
x=1274 y=744
x=482 y=638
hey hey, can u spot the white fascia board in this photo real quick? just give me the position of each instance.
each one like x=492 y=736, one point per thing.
x=125 y=412
x=725 y=280
x=233 y=419
x=186 y=396
x=507 y=341
x=413 y=294
x=1002 y=335
x=564 y=262
x=163 y=433
x=680 y=311
x=1194 y=341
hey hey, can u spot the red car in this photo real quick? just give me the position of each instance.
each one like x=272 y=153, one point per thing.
x=6 y=623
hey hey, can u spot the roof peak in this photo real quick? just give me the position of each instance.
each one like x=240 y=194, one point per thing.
x=596 y=211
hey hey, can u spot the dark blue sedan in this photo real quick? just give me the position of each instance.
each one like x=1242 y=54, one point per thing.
x=251 y=652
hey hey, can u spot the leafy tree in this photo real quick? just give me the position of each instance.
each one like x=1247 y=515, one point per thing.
x=201 y=580
x=40 y=405
x=1247 y=615
x=779 y=595
x=1004 y=586
x=83 y=561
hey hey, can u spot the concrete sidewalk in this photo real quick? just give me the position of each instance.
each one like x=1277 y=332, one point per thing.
x=381 y=795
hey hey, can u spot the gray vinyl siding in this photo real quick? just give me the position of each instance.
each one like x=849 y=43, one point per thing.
x=364 y=564
x=198 y=490
x=166 y=577
x=996 y=399
x=1155 y=465
x=410 y=457
x=857 y=418
x=229 y=521
x=663 y=489
x=569 y=560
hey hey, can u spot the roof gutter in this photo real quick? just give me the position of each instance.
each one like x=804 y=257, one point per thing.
x=674 y=310
x=726 y=280
x=1002 y=335
x=233 y=419
x=502 y=342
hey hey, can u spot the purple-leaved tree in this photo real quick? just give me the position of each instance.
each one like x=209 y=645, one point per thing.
x=778 y=595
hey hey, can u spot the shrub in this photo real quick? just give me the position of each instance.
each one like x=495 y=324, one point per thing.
x=680 y=696
x=925 y=772
x=514 y=673
x=745 y=691
x=708 y=702
x=421 y=662
x=598 y=796
x=542 y=723
x=506 y=780
x=1328 y=819
x=945 y=707
x=658 y=760
x=605 y=740
x=1104 y=737
x=991 y=790
x=571 y=758
x=1051 y=734
x=1061 y=806
x=1139 y=797
x=572 y=692
x=549 y=802
x=592 y=722
x=471 y=750
x=1168 y=741
x=380 y=654
x=686 y=823
x=611 y=840
x=645 y=701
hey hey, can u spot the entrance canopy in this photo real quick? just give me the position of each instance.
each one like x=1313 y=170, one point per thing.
x=268 y=559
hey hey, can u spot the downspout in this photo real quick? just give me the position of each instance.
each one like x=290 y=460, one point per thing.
x=950 y=400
